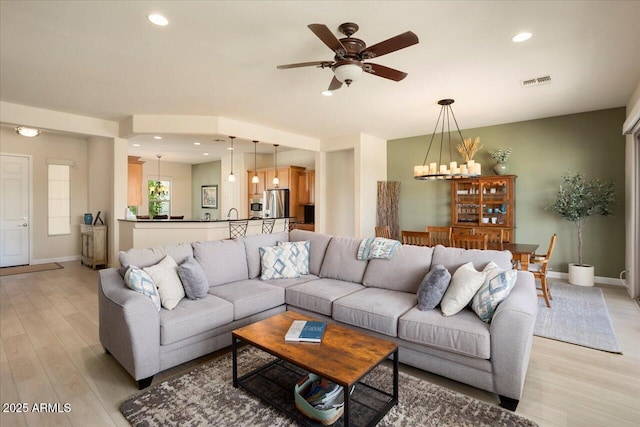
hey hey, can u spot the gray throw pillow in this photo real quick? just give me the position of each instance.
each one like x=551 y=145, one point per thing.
x=194 y=279
x=433 y=287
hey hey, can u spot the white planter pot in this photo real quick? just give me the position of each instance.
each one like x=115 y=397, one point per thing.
x=581 y=275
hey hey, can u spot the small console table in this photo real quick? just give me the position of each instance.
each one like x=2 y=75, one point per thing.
x=94 y=245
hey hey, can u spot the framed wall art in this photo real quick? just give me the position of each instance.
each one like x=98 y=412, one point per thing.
x=209 y=195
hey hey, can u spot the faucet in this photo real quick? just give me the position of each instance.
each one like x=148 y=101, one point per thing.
x=229 y=213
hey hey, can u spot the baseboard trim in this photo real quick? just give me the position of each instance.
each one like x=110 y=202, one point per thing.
x=614 y=281
x=61 y=259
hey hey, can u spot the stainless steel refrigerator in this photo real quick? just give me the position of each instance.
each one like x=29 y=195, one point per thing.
x=276 y=203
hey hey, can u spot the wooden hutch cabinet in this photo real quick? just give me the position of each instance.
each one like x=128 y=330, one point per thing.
x=486 y=201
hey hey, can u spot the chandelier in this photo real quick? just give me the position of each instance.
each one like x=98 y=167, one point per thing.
x=440 y=169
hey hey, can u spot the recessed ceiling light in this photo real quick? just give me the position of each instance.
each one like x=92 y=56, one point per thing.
x=136 y=145
x=157 y=137
x=205 y=154
x=196 y=143
x=158 y=19
x=521 y=37
x=28 y=132
x=327 y=93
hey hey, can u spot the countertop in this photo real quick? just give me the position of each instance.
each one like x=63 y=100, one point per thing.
x=155 y=221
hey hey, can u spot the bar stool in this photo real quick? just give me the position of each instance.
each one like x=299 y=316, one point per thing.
x=267 y=226
x=290 y=224
x=238 y=228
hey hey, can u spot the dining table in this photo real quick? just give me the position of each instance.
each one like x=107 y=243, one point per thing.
x=522 y=252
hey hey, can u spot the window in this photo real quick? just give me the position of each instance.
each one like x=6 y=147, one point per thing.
x=58 y=198
x=159 y=197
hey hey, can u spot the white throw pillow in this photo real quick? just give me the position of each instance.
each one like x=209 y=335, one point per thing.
x=465 y=282
x=277 y=263
x=496 y=287
x=165 y=275
x=300 y=253
x=139 y=281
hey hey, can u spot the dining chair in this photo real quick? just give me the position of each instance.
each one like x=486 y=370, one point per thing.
x=439 y=235
x=538 y=266
x=267 y=225
x=290 y=224
x=495 y=235
x=415 y=238
x=469 y=241
x=238 y=228
x=383 y=231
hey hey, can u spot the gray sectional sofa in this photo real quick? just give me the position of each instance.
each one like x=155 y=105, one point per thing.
x=377 y=296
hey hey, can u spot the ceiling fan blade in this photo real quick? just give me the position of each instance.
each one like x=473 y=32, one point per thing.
x=382 y=71
x=322 y=64
x=335 y=84
x=328 y=38
x=390 y=45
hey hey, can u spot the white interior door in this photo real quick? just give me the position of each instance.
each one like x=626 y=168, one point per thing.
x=14 y=213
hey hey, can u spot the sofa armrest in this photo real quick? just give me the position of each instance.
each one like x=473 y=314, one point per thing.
x=512 y=335
x=129 y=325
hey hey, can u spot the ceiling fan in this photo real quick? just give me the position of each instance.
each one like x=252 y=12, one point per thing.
x=351 y=54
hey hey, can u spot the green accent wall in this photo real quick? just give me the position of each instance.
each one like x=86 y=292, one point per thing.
x=205 y=174
x=543 y=150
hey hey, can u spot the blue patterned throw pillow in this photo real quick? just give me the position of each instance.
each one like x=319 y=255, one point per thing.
x=376 y=247
x=277 y=262
x=299 y=251
x=139 y=281
x=496 y=287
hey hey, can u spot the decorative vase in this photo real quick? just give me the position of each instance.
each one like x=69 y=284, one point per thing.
x=88 y=218
x=500 y=168
x=581 y=275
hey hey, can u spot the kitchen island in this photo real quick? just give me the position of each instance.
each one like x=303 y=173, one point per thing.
x=146 y=233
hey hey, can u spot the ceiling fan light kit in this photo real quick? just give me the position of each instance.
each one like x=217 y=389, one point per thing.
x=439 y=170
x=351 y=53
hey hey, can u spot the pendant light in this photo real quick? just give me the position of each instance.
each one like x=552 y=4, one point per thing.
x=434 y=170
x=276 y=181
x=255 y=179
x=231 y=177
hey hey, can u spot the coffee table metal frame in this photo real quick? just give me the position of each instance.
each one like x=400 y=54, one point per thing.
x=243 y=381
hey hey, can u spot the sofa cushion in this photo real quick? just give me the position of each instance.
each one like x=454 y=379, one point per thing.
x=285 y=283
x=135 y=278
x=192 y=317
x=252 y=245
x=165 y=276
x=465 y=282
x=150 y=256
x=223 y=261
x=278 y=262
x=318 y=295
x=433 y=287
x=300 y=253
x=403 y=272
x=341 y=262
x=463 y=333
x=374 y=309
x=194 y=279
x=249 y=296
x=453 y=258
x=318 y=244
x=496 y=287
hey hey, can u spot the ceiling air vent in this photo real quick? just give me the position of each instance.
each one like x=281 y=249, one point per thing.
x=536 y=81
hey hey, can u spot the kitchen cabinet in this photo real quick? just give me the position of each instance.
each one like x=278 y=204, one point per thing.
x=134 y=181
x=256 y=190
x=283 y=176
x=94 y=245
x=487 y=201
x=306 y=188
x=289 y=177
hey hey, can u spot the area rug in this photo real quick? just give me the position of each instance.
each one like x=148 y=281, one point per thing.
x=21 y=269
x=206 y=397
x=578 y=315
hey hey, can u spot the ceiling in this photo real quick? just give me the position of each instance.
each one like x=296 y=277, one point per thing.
x=104 y=59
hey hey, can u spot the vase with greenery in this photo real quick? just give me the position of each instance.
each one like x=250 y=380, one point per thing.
x=579 y=199
x=501 y=155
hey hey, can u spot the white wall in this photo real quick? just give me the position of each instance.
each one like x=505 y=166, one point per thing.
x=53 y=146
x=632 y=199
x=340 y=193
x=372 y=156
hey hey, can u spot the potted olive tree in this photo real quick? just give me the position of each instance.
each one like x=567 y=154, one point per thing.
x=579 y=199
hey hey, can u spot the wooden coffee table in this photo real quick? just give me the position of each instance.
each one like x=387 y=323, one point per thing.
x=344 y=357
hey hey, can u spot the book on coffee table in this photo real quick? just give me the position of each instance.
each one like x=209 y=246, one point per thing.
x=306 y=331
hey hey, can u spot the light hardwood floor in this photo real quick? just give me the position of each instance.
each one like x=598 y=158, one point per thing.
x=50 y=353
